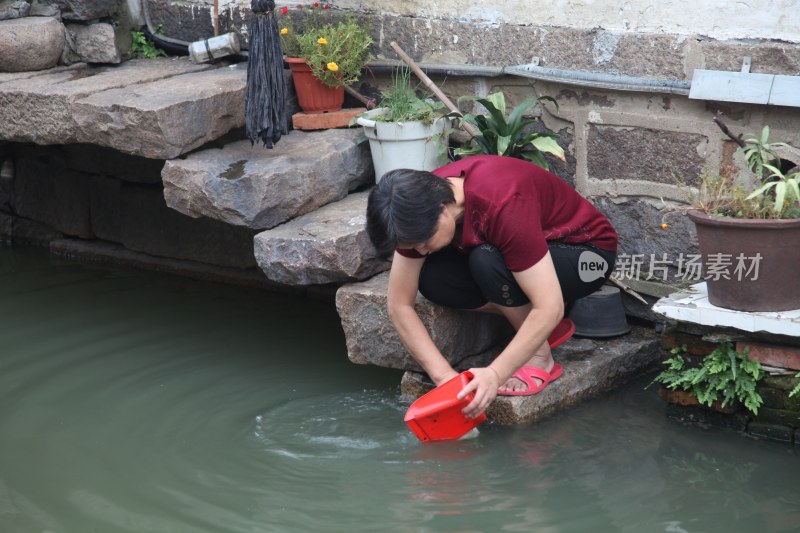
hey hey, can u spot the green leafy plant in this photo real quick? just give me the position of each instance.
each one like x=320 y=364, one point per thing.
x=335 y=51
x=776 y=197
x=142 y=47
x=402 y=103
x=725 y=375
x=796 y=390
x=763 y=160
x=509 y=137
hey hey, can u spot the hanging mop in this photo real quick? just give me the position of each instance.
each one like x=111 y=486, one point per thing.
x=265 y=100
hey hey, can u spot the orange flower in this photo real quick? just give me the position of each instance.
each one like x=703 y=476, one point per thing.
x=664 y=225
x=333 y=67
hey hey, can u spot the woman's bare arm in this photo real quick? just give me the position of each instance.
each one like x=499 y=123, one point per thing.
x=540 y=284
x=403 y=286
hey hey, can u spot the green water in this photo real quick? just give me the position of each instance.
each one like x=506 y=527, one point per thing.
x=131 y=402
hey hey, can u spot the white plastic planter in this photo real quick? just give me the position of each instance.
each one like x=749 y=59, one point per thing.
x=409 y=144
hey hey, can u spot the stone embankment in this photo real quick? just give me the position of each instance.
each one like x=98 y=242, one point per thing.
x=145 y=164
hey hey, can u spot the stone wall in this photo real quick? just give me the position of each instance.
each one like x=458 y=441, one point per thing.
x=632 y=148
x=92 y=193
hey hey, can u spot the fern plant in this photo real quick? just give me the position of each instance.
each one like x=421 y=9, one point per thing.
x=509 y=137
x=725 y=375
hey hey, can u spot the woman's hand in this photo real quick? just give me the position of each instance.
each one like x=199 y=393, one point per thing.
x=485 y=385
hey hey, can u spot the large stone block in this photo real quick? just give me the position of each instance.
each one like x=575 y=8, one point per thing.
x=371 y=338
x=590 y=368
x=638 y=224
x=329 y=245
x=30 y=43
x=259 y=188
x=93 y=43
x=165 y=118
x=13 y=9
x=100 y=161
x=46 y=192
x=88 y=9
x=147 y=225
x=39 y=108
x=630 y=153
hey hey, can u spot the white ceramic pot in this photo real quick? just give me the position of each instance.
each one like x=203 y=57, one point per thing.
x=410 y=144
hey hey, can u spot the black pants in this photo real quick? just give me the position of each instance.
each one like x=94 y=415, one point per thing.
x=470 y=280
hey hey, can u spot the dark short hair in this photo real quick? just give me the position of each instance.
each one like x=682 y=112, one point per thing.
x=404 y=207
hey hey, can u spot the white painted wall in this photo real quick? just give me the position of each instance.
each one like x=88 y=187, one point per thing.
x=718 y=19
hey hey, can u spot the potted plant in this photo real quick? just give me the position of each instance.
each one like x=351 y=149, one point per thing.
x=748 y=239
x=405 y=130
x=724 y=377
x=510 y=137
x=323 y=55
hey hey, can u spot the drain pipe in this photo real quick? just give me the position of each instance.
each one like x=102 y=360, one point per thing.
x=173 y=46
x=601 y=80
x=582 y=78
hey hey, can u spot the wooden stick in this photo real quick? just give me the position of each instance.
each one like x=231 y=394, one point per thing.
x=432 y=86
x=737 y=139
x=368 y=102
x=627 y=289
x=216 y=18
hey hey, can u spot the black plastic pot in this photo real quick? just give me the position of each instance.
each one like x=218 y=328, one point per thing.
x=601 y=314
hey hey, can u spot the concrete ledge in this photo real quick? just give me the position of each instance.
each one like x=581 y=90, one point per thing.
x=590 y=367
x=692 y=305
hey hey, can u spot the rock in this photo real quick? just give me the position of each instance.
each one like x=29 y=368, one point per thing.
x=45 y=8
x=252 y=186
x=31 y=43
x=590 y=367
x=93 y=43
x=165 y=118
x=329 y=245
x=13 y=9
x=38 y=107
x=371 y=338
x=87 y=9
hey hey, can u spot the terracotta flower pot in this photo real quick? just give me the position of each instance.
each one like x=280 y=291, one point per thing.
x=313 y=95
x=761 y=257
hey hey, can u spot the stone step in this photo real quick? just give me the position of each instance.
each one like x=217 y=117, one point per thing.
x=252 y=186
x=371 y=339
x=329 y=245
x=591 y=366
x=158 y=108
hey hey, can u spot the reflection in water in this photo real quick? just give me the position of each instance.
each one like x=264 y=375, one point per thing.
x=131 y=402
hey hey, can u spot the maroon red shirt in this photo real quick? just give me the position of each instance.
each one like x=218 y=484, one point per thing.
x=517 y=207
